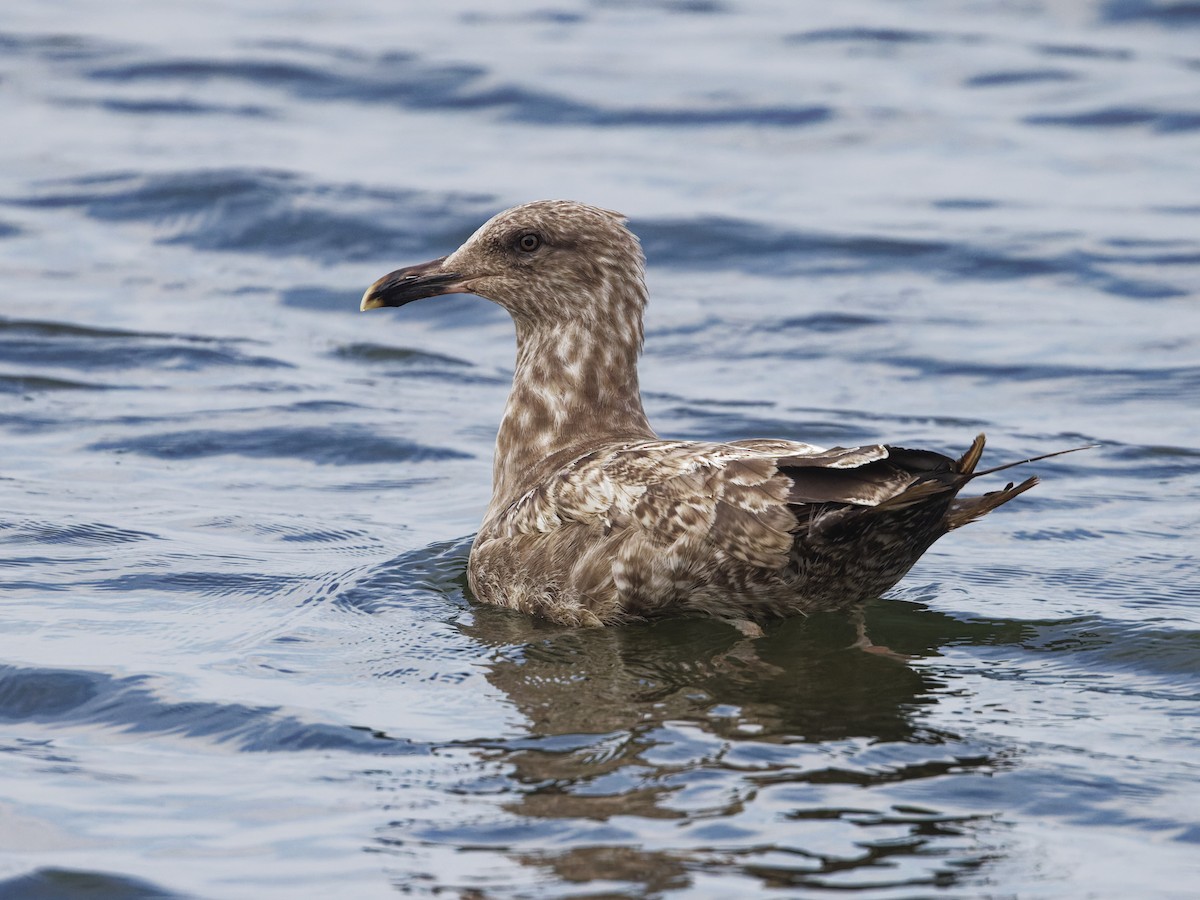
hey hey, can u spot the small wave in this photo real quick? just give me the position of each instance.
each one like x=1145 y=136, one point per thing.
x=58 y=47
x=41 y=563
x=548 y=16
x=571 y=17
x=81 y=884
x=725 y=243
x=64 y=345
x=1099 y=384
x=35 y=384
x=371 y=486
x=201 y=583
x=403 y=362
x=1156 y=453
x=78 y=533
x=381 y=353
x=173 y=107
x=829 y=323
x=404 y=79
x=1084 y=51
x=272 y=212
x=322 y=445
x=302 y=79
x=863 y=35
x=1090 y=644
x=1140 y=463
x=298 y=531
x=1181 y=13
x=1161 y=121
x=74 y=697
x=686 y=7
x=353 y=537
x=1059 y=534
x=1019 y=76
x=964 y=203
x=440 y=568
x=719 y=242
x=925 y=768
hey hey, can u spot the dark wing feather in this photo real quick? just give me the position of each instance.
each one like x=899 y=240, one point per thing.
x=868 y=485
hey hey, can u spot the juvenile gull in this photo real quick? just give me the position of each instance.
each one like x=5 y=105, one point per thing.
x=594 y=520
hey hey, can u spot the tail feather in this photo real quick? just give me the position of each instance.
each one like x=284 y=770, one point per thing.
x=916 y=494
x=968 y=510
x=968 y=461
x=963 y=512
x=933 y=478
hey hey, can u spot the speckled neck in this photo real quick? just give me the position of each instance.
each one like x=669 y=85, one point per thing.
x=576 y=384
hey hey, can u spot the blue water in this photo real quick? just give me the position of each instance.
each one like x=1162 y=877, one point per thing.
x=237 y=654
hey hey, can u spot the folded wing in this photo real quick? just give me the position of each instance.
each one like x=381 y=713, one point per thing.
x=748 y=499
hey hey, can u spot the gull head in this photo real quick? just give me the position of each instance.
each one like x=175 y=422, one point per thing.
x=550 y=262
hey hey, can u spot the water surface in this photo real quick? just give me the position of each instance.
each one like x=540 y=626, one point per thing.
x=237 y=655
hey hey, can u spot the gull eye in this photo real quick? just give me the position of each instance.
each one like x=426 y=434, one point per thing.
x=528 y=242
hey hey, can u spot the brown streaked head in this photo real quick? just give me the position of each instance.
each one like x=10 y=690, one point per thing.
x=548 y=261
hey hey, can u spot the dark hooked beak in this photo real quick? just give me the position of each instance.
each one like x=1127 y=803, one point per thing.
x=414 y=283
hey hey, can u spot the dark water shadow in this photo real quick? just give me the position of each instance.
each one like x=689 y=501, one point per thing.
x=76 y=884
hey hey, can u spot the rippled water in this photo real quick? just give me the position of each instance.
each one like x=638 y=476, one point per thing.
x=237 y=657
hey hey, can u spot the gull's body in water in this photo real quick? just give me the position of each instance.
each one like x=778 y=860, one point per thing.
x=594 y=520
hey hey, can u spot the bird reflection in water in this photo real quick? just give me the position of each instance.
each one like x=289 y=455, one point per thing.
x=675 y=750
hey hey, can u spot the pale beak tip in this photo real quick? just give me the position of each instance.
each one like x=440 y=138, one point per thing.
x=370 y=300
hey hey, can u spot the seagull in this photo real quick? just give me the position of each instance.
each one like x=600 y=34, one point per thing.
x=594 y=520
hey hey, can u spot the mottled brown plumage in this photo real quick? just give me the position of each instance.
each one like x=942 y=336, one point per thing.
x=595 y=520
